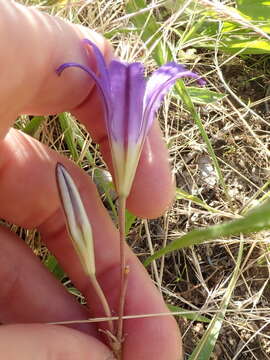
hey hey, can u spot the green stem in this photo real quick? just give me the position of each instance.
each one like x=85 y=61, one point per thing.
x=103 y=302
x=123 y=268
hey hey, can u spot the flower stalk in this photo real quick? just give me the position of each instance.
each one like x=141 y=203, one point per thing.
x=123 y=266
x=80 y=233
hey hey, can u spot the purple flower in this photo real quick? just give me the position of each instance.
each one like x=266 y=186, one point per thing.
x=130 y=103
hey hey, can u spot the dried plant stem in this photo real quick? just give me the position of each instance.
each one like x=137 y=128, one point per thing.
x=150 y=245
x=124 y=269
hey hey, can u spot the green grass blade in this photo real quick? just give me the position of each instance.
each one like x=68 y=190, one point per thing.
x=206 y=345
x=258 y=10
x=181 y=194
x=190 y=315
x=110 y=34
x=249 y=205
x=180 y=87
x=52 y=264
x=194 y=30
x=68 y=128
x=107 y=187
x=149 y=30
x=130 y=219
x=88 y=155
x=32 y=126
x=202 y=96
x=257 y=220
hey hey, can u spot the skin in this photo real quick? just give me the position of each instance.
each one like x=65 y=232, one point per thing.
x=33 y=46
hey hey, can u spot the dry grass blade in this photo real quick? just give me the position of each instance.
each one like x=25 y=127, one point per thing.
x=206 y=345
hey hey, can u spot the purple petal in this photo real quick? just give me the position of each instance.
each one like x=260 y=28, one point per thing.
x=159 y=84
x=127 y=90
x=101 y=64
x=103 y=90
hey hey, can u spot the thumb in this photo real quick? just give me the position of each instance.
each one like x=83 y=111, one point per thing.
x=49 y=342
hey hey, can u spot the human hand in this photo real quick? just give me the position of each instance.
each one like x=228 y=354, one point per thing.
x=33 y=46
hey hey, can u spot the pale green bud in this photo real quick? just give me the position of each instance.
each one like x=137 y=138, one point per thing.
x=77 y=220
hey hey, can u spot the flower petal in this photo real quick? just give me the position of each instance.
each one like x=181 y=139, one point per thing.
x=101 y=65
x=159 y=84
x=101 y=85
x=127 y=91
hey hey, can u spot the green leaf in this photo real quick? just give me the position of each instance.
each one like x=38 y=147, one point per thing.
x=52 y=264
x=234 y=42
x=234 y=38
x=107 y=187
x=181 y=194
x=68 y=127
x=256 y=220
x=249 y=46
x=255 y=9
x=130 y=219
x=149 y=30
x=190 y=315
x=33 y=125
x=72 y=290
x=112 y=33
x=238 y=34
x=201 y=95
